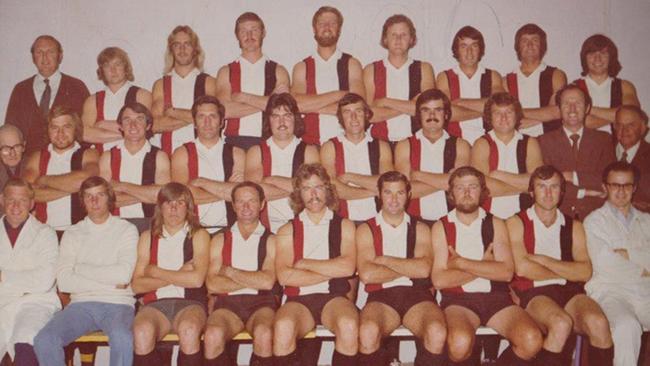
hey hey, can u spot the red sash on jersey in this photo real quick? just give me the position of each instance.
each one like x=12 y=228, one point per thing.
x=226 y=253
x=148 y=174
x=545 y=93
x=131 y=95
x=311 y=120
x=616 y=91
x=453 y=127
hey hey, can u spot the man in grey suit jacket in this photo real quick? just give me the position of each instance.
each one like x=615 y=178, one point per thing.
x=581 y=154
x=631 y=127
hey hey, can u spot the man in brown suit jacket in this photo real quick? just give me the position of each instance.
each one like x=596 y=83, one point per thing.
x=581 y=154
x=630 y=127
x=33 y=98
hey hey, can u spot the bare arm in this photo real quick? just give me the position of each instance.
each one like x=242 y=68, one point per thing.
x=142 y=283
x=71 y=182
x=420 y=265
x=215 y=281
x=524 y=267
x=147 y=193
x=371 y=272
x=92 y=133
x=480 y=160
x=403 y=165
x=180 y=174
x=441 y=275
x=310 y=102
x=341 y=266
x=162 y=119
x=261 y=280
x=533 y=161
x=194 y=276
x=287 y=274
x=234 y=108
x=344 y=191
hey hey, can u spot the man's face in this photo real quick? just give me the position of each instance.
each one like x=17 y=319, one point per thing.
x=61 y=132
x=183 y=49
x=11 y=149
x=46 y=57
x=547 y=193
x=174 y=212
x=250 y=35
x=629 y=128
x=313 y=193
x=398 y=38
x=114 y=71
x=530 y=47
x=17 y=203
x=394 y=197
x=327 y=30
x=134 y=125
x=620 y=188
x=432 y=115
x=96 y=201
x=466 y=192
x=504 y=118
x=598 y=62
x=573 y=109
x=282 y=123
x=469 y=52
x=247 y=204
x=354 y=118
x=207 y=120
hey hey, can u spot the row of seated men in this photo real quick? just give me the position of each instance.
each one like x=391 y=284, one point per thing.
x=389 y=85
x=136 y=171
x=469 y=255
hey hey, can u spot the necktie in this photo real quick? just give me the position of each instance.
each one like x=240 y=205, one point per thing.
x=574 y=145
x=624 y=156
x=44 y=104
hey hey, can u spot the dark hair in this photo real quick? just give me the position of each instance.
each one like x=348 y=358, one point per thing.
x=170 y=192
x=97 y=181
x=634 y=109
x=396 y=19
x=465 y=171
x=249 y=16
x=247 y=184
x=546 y=172
x=209 y=99
x=622 y=167
x=471 y=33
x=137 y=108
x=305 y=172
x=352 y=98
x=425 y=97
x=394 y=176
x=502 y=99
x=287 y=101
x=572 y=86
x=327 y=9
x=531 y=28
x=596 y=43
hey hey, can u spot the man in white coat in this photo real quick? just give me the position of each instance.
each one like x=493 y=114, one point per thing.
x=618 y=240
x=28 y=254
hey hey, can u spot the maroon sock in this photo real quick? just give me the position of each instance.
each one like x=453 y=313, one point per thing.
x=601 y=356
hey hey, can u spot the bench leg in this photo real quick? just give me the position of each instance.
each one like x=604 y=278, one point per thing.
x=87 y=353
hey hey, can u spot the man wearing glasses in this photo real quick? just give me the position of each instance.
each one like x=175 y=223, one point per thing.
x=618 y=240
x=12 y=147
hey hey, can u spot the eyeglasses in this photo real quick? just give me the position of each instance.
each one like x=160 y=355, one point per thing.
x=6 y=150
x=625 y=187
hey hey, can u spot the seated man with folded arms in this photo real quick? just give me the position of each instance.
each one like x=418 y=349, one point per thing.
x=100 y=109
x=57 y=171
x=95 y=266
x=618 y=240
x=552 y=264
x=242 y=276
x=272 y=163
x=315 y=256
x=394 y=258
x=209 y=166
x=28 y=254
x=170 y=273
x=472 y=267
x=135 y=168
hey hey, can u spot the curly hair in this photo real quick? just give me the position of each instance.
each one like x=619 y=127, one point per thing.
x=110 y=53
x=287 y=101
x=502 y=99
x=305 y=172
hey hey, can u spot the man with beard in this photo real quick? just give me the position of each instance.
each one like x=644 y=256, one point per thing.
x=315 y=271
x=245 y=84
x=472 y=267
x=430 y=155
x=135 y=169
x=394 y=261
x=320 y=80
x=281 y=154
x=393 y=83
x=100 y=109
x=356 y=160
x=468 y=84
x=552 y=264
x=58 y=170
x=534 y=83
x=209 y=166
x=174 y=93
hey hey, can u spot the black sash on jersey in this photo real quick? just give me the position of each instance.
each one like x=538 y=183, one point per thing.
x=342 y=66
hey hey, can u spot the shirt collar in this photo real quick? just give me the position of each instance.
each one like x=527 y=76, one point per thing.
x=259 y=230
x=631 y=152
x=183 y=231
x=569 y=133
x=453 y=217
x=335 y=56
x=382 y=222
x=532 y=215
x=619 y=215
x=53 y=79
x=329 y=214
x=70 y=151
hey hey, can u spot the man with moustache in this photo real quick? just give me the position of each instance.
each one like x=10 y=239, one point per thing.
x=321 y=79
x=100 y=110
x=430 y=155
x=472 y=267
x=209 y=166
x=630 y=128
x=281 y=154
x=175 y=92
x=57 y=171
x=315 y=256
x=356 y=160
x=245 y=84
x=393 y=83
x=32 y=99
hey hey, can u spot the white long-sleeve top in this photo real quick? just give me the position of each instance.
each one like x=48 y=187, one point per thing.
x=608 y=230
x=94 y=259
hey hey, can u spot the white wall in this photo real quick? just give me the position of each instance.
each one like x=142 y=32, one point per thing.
x=141 y=28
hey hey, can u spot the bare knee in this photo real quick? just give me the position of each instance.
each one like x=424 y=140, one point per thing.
x=527 y=341
x=346 y=331
x=144 y=337
x=215 y=341
x=189 y=334
x=597 y=329
x=284 y=336
x=560 y=326
x=460 y=343
x=263 y=340
x=369 y=337
x=434 y=337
